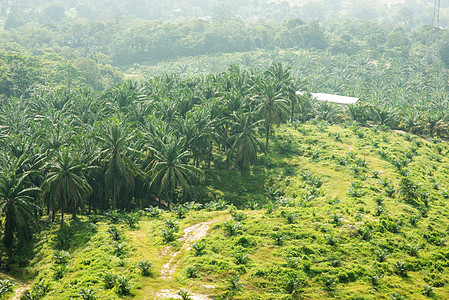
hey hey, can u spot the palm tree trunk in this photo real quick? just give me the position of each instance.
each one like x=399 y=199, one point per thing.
x=62 y=216
x=267 y=137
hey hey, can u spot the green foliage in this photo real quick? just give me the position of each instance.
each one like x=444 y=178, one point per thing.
x=87 y=294
x=5 y=287
x=145 y=267
x=199 y=247
x=61 y=256
x=123 y=285
x=109 y=279
x=115 y=233
x=232 y=227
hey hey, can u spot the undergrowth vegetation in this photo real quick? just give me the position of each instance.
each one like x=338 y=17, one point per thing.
x=361 y=216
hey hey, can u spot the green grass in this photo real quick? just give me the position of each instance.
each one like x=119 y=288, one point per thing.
x=329 y=250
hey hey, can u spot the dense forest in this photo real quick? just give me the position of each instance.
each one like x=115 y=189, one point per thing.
x=125 y=119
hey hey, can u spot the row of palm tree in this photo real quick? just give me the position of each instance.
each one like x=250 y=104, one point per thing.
x=77 y=151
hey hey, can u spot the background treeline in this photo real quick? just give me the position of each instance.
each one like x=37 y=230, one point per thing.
x=122 y=39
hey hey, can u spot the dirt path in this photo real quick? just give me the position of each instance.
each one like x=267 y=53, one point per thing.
x=19 y=292
x=191 y=234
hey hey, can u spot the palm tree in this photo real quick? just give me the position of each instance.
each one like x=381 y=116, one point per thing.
x=120 y=169
x=17 y=204
x=243 y=140
x=271 y=105
x=65 y=183
x=169 y=170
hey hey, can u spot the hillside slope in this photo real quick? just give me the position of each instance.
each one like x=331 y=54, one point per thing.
x=349 y=213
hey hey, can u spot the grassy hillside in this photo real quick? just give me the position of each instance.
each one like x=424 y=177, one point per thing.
x=331 y=212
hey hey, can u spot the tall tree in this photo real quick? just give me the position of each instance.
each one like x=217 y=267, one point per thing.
x=117 y=157
x=169 y=169
x=17 y=204
x=244 y=139
x=271 y=105
x=66 y=184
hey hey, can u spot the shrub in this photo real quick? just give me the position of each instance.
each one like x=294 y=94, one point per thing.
x=87 y=294
x=234 y=283
x=291 y=217
x=278 y=237
x=113 y=216
x=61 y=257
x=329 y=283
x=191 y=272
x=153 y=212
x=180 y=211
x=400 y=268
x=294 y=285
x=172 y=224
x=168 y=234
x=241 y=258
x=397 y=296
x=231 y=227
x=119 y=249
x=292 y=262
x=238 y=216
x=381 y=254
x=145 y=267
x=374 y=279
x=5 y=287
x=413 y=250
x=330 y=239
x=59 y=271
x=123 y=285
x=63 y=239
x=94 y=218
x=184 y=294
x=428 y=291
x=115 y=233
x=199 y=247
x=131 y=219
x=108 y=279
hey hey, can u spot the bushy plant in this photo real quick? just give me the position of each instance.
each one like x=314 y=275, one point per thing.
x=184 y=294
x=108 y=279
x=199 y=247
x=131 y=219
x=145 y=267
x=169 y=234
x=241 y=258
x=191 y=272
x=59 y=271
x=87 y=294
x=119 y=249
x=61 y=256
x=231 y=227
x=123 y=285
x=278 y=237
x=115 y=233
x=153 y=212
x=113 y=216
x=5 y=287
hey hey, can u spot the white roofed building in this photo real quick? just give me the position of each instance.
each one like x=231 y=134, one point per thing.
x=340 y=100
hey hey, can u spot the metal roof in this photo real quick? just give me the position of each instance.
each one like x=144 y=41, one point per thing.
x=332 y=98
